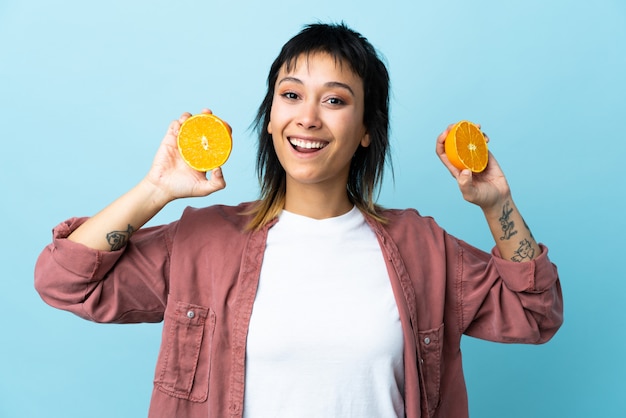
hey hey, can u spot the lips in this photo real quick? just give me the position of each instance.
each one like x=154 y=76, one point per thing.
x=307 y=145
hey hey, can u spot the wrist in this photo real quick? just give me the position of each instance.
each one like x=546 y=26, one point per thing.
x=495 y=208
x=153 y=194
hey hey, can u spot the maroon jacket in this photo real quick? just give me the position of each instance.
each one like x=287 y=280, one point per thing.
x=200 y=276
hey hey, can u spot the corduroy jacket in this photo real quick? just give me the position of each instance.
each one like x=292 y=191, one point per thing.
x=199 y=276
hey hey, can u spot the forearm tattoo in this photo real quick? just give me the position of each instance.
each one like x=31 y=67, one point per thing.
x=118 y=239
x=508 y=226
x=524 y=252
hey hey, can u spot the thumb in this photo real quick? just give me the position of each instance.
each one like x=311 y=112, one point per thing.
x=465 y=178
x=465 y=182
x=217 y=179
x=214 y=183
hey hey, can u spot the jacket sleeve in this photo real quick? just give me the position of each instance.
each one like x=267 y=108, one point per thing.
x=124 y=286
x=506 y=301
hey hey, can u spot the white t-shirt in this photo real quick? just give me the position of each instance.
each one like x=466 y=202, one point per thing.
x=325 y=338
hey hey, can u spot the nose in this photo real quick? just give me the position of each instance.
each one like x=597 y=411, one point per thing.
x=308 y=116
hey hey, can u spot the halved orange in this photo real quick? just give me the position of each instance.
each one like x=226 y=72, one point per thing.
x=466 y=147
x=204 y=141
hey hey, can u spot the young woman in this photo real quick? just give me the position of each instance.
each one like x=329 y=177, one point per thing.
x=312 y=301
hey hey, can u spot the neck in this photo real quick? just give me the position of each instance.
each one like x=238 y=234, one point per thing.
x=317 y=203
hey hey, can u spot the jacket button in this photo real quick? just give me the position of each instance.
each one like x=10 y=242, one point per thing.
x=190 y=314
x=426 y=340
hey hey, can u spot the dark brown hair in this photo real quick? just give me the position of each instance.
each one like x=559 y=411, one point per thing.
x=367 y=166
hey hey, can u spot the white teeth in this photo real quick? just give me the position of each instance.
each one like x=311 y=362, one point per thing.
x=306 y=144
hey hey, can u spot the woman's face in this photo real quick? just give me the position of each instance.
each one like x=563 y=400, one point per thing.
x=316 y=121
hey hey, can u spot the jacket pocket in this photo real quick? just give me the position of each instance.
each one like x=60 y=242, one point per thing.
x=430 y=351
x=184 y=361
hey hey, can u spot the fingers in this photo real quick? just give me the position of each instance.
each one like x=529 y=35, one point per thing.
x=172 y=133
x=175 y=124
x=439 y=145
x=230 y=128
x=441 y=140
x=184 y=117
x=442 y=136
x=441 y=152
x=187 y=115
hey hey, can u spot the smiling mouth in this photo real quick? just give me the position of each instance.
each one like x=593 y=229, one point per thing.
x=302 y=145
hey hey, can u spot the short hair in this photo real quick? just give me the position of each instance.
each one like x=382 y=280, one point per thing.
x=349 y=47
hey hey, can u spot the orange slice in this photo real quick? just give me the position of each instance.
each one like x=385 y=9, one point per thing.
x=466 y=147
x=204 y=142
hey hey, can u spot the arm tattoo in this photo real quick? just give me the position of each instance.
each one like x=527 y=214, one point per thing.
x=525 y=251
x=529 y=231
x=118 y=239
x=508 y=226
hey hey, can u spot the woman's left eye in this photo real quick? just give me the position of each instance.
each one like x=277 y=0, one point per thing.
x=335 y=101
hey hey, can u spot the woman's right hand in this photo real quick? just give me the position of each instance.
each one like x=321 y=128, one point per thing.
x=172 y=177
x=169 y=178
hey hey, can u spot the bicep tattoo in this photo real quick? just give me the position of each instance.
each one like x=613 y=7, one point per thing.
x=118 y=239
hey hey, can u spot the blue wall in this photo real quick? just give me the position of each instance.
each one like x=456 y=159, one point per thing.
x=87 y=90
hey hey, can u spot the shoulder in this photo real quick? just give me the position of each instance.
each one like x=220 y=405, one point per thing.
x=408 y=218
x=408 y=225
x=232 y=214
x=225 y=219
x=409 y=229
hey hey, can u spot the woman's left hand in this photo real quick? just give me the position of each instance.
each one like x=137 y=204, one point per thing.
x=487 y=189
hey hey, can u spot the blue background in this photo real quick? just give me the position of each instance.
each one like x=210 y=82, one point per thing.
x=87 y=90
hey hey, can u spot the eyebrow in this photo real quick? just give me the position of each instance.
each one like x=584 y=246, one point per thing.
x=328 y=84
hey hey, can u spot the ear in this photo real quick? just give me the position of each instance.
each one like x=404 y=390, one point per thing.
x=365 y=141
x=269 y=127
